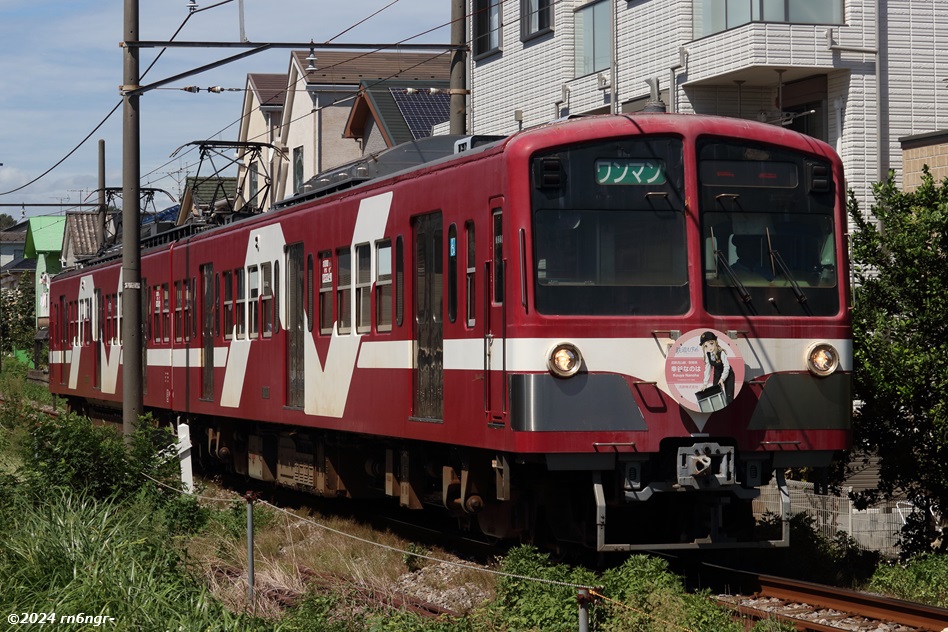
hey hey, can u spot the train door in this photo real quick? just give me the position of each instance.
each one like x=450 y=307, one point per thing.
x=429 y=318
x=208 y=304
x=495 y=329
x=295 y=330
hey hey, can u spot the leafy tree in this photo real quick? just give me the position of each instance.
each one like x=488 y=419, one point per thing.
x=18 y=316
x=6 y=221
x=901 y=347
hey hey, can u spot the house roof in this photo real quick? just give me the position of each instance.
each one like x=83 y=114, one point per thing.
x=21 y=264
x=81 y=230
x=45 y=234
x=269 y=88
x=403 y=110
x=335 y=67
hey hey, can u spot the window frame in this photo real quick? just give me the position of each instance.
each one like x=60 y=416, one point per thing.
x=487 y=39
x=538 y=9
x=581 y=13
x=384 y=298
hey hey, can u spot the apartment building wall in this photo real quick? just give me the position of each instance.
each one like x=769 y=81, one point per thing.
x=735 y=73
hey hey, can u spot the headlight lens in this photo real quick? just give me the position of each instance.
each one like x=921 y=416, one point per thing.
x=822 y=359
x=564 y=360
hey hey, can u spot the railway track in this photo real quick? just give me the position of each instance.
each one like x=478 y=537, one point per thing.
x=820 y=608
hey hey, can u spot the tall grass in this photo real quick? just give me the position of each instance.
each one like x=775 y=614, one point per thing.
x=71 y=553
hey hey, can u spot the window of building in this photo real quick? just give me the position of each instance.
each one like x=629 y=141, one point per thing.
x=593 y=38
x=254 y=185
x=536 y=18
x=383 y=285
x=714 y=16
x=297 y=168
x=487 y=14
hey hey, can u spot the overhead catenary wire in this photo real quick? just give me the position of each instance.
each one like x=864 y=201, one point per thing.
x=183 y=23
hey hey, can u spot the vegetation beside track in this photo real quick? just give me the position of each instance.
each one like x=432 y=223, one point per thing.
x=92 y=523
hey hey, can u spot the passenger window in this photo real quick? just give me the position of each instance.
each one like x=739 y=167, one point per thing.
x=383 y=285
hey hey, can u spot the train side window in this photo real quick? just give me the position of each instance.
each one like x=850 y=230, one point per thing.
x=165 y=312
x=217 y=305
x=276 y=296
x=469 y=293
x=310 y=292
x=363 y=288
x=154 y=311
x=383 y=285
x=452 y=273
x=344 y=291
x=498 y=252
x=178 y=312
x=99 y=330
x=266 y=299
x=190 y=307
x=227 y=279
x=240 y=293
x=399 y=281
x=325 y=293
x=253 y=303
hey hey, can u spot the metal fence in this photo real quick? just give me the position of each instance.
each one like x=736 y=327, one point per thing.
x=874 y=529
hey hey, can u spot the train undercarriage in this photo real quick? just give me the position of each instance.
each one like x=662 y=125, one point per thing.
x=687 y=496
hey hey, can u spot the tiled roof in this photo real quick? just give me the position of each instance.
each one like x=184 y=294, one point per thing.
x=270 y=88
x=19 y=265
x=81 y=229
x=353 y=67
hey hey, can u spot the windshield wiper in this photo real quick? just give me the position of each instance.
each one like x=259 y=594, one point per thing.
x=732 y=277
x=776 y=258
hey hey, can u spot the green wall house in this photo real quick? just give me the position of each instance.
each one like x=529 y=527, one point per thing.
x=44 y=242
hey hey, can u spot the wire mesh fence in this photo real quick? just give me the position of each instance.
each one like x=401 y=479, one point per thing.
x=875 y=529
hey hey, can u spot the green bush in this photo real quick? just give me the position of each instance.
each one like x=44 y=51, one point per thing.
x=70 y=452
x=923 y=579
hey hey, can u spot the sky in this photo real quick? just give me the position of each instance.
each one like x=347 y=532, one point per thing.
x=61 y=67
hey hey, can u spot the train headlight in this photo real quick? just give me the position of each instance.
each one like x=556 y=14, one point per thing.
x=822 y=359
x=564 y=360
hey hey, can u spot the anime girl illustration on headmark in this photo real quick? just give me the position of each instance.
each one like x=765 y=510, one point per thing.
x=717 y=369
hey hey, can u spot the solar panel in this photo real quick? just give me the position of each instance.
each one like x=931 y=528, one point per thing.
x=422 y=110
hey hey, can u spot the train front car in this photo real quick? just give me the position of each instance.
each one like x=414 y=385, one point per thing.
x=685 y=334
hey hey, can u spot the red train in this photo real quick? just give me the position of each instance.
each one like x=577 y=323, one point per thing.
x=608 y=330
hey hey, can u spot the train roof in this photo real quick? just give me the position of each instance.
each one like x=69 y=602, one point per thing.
x=403 y=157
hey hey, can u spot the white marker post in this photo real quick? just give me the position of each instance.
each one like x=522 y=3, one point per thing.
x=184 y=456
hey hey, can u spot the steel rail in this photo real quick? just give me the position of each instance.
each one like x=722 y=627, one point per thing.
x=820 y=596
x=877 y=607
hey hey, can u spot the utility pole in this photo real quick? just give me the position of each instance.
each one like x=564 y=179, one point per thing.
x=100 y=219
x=458 y=86
x=132 y=400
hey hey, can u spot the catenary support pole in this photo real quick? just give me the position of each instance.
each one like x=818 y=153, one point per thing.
x=457 y=120
x=132 y=402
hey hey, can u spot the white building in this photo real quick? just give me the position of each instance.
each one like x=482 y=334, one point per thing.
x=858 y=74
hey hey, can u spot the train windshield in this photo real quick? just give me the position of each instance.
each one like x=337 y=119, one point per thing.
x=769 y=235
x=609 y=229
